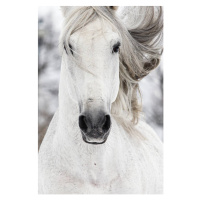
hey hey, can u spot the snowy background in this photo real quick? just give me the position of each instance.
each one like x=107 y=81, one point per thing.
x=49 y=26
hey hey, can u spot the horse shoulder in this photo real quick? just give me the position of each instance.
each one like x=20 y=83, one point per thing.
x=149 y=135
x=151 y=150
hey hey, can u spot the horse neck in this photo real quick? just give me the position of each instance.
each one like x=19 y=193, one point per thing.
x=68 y=109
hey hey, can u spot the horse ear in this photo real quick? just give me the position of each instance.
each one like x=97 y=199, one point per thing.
x=113 y=7
x=64 y=9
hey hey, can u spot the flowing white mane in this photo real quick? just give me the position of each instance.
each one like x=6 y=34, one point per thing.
x=139 y=53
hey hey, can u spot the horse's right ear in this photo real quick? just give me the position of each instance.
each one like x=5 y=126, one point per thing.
x=113 y=8
x=64 y=10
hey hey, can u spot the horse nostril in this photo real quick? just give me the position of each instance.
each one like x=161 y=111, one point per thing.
x=106 y=123
x=98 y=124
x=82 y=123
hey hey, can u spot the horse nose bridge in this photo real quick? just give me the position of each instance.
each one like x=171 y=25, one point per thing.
x=95 y=88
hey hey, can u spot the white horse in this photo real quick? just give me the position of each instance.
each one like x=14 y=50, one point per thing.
x=96 y=141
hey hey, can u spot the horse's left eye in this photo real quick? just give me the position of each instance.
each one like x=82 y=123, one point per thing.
x=70 y=46
x=116 y=47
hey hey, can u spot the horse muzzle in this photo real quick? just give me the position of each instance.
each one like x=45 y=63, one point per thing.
x=95 y=127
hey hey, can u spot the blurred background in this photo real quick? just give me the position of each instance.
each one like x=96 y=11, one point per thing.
x=49 y=26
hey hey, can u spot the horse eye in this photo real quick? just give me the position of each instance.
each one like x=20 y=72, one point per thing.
x=116 y=47
x=70 y=46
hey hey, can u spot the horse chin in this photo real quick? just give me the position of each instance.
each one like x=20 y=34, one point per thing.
x=94 y=141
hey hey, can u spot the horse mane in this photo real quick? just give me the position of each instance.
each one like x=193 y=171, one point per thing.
x=140 y=50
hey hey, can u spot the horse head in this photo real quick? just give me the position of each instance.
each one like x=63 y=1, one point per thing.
x=91 y=58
